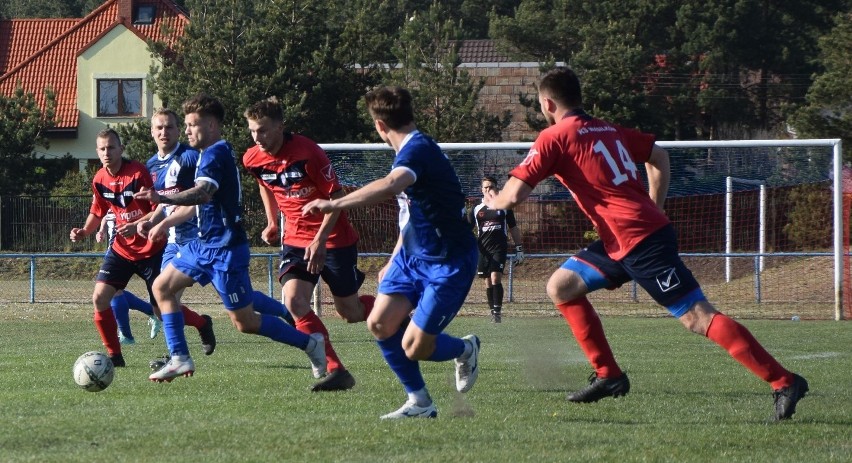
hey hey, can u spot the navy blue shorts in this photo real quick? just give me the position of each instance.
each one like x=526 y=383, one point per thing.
x=340 y=271
x=116 y=271
x=654 y=264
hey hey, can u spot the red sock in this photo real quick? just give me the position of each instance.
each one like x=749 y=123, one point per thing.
x=369 y=302
x=108 y=329
x=588 y=330
x=192 y=318
x=310 y=323
x=744 y=348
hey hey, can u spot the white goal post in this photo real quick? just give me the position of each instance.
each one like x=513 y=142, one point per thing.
x=837 y=193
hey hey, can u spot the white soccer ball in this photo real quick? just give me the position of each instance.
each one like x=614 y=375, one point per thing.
x=93 y=371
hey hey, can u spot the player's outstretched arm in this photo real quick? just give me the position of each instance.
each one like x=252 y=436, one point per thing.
x=396 y=181
x=201 y=193
x=271 y=234
x=513 y=193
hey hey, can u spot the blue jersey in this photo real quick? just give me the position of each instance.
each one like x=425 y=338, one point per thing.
x=173 y=174
x=432 y=209
x=220 y=220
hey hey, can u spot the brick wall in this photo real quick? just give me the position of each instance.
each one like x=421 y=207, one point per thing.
x=504 y=82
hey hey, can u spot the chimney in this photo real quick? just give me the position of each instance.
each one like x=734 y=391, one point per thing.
x=125 y=10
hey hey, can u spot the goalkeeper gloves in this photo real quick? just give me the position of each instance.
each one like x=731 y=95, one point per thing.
x=519 y=255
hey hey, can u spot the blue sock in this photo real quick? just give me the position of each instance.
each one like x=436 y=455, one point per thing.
x=446 y=348
x=122 y=314
x=266 y=305
x=173 y=332
x=407 y=370
x=275 y=329
x=138 y=304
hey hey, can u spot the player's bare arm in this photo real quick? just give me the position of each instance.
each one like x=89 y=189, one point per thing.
x=513 y=193
x=180 y=214
x=271 y=234
x=393 y=184
x=144 y=225
x=91 y=226
x=659 y=175
x=201 y=193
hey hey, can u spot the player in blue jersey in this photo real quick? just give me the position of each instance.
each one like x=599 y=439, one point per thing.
x=434 y=261
x=220 y=255
x=173 y=170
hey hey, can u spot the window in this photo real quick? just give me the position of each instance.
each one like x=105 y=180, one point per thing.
x=119 y=97
x=145 y=14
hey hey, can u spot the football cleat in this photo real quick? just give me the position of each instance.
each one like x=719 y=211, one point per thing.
x=786 y=398
x=117 y=360
x=125 y=340
x=337 y=380
x=410 y=409
x=467 y=370
x=599 y=388
x=159 y=362
x=178 y=365
x=156 y=325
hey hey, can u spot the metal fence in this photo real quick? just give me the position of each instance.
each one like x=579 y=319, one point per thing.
x=791 y=284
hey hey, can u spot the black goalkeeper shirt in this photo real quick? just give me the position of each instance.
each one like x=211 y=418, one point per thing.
x=492 y=227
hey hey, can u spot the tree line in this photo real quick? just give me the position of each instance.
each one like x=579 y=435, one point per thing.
x=714 y=69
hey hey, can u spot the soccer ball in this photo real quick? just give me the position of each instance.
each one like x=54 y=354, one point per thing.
x=93 y=371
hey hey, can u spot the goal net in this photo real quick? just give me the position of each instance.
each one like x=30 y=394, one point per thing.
x=760 y=224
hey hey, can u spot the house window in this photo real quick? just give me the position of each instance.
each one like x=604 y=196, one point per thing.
x=145 y=14
x=119 y=97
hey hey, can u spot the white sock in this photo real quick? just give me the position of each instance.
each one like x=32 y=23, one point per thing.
x=420 y=397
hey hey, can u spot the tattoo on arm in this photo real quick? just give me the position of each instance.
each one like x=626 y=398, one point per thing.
x=199 y=194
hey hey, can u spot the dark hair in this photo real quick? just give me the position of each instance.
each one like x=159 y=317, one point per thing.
x=493 y=181
x=391 y=105
x=562 y=86
x=265 y=108
x=205 y=105
x=106 y=133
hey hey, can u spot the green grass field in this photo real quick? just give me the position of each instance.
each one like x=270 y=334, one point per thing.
x=250 y=401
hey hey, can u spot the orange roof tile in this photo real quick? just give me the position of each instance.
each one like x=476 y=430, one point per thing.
x=53 y=62
x=20 y=38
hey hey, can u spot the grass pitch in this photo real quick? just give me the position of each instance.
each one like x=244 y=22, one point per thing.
x=249 y=401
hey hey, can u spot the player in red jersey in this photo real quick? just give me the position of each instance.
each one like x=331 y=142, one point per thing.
x=292 y=170
x=113 y=186
x=596 y=160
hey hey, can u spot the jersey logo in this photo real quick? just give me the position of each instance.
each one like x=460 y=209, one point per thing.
x=668 y=280
x=328 y=173
x=527 y=160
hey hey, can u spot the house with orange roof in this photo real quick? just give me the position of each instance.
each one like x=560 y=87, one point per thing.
x=98 y=66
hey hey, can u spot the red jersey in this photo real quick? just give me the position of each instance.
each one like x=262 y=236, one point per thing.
x=596 y=161
x=115 y=193
x=297 y=174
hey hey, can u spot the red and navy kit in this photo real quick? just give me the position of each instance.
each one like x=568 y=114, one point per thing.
x=297 y=174
x=116 y=193
x=596 y=160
